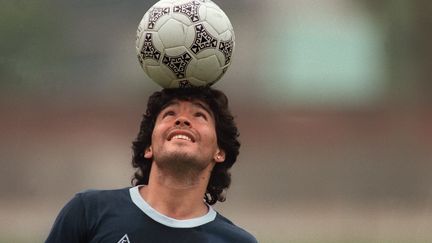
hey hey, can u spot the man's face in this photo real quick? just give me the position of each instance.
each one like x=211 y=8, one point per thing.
x=185 y=135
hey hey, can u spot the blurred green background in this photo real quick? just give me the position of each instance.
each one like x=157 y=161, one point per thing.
x=332 y=98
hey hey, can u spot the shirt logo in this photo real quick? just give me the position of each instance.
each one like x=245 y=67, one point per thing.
x=124 y=239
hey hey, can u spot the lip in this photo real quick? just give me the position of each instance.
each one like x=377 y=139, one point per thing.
x=181 y=132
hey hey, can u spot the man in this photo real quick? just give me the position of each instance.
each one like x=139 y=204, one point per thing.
x=186 y=145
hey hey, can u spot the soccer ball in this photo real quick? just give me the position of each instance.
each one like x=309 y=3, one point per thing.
x=185 y=43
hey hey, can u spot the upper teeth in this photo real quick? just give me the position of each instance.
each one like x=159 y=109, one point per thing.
x=182 y=137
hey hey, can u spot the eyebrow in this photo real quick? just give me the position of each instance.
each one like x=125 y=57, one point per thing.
x=204 y=107
x=195 y=103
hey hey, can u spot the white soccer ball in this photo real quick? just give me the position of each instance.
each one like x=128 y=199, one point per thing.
x=184 y=43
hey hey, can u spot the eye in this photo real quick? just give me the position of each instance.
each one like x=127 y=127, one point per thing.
x=168 y=113
x=201 y=114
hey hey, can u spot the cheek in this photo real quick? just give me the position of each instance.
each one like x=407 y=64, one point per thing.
x=157 y=135
x=158 y=129
x=211 y=136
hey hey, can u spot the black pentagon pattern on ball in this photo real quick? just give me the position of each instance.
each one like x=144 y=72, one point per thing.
x=148 y=51
x=226 y=47
x=185 y=84
x=203 y=39
x=177 y=64
x=155 y=14
x=189 y=9
x=140 y=59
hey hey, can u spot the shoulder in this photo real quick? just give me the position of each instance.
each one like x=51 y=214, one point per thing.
x=233 y=232
x=77 y=219
x=94 y=201
x=95 y=195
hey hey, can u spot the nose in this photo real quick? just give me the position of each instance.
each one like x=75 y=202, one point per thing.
x=182 y=122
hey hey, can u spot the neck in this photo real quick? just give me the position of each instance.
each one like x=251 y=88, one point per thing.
x=179 y=197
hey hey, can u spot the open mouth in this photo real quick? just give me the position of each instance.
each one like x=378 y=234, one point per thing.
x=181 y=135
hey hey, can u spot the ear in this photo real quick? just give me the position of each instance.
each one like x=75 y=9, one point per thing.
x=148 y=153
x=219 y=156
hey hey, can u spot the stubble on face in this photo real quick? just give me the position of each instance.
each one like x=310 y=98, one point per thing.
x=182 y=167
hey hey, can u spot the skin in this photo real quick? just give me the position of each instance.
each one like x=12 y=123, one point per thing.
x=184 y=150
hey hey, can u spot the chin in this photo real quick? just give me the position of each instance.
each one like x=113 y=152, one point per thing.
x=180 y=160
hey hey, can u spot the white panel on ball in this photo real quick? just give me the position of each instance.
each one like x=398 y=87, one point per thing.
x=161 y=75
x=175 y=51
x=216 y=18
x=196 y=82
x=227 y=35
x=172 y=33
x=207 y=68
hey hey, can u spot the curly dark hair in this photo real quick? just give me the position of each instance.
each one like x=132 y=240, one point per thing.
x=226 y=132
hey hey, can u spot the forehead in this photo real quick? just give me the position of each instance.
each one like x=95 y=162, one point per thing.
x=195 y=103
